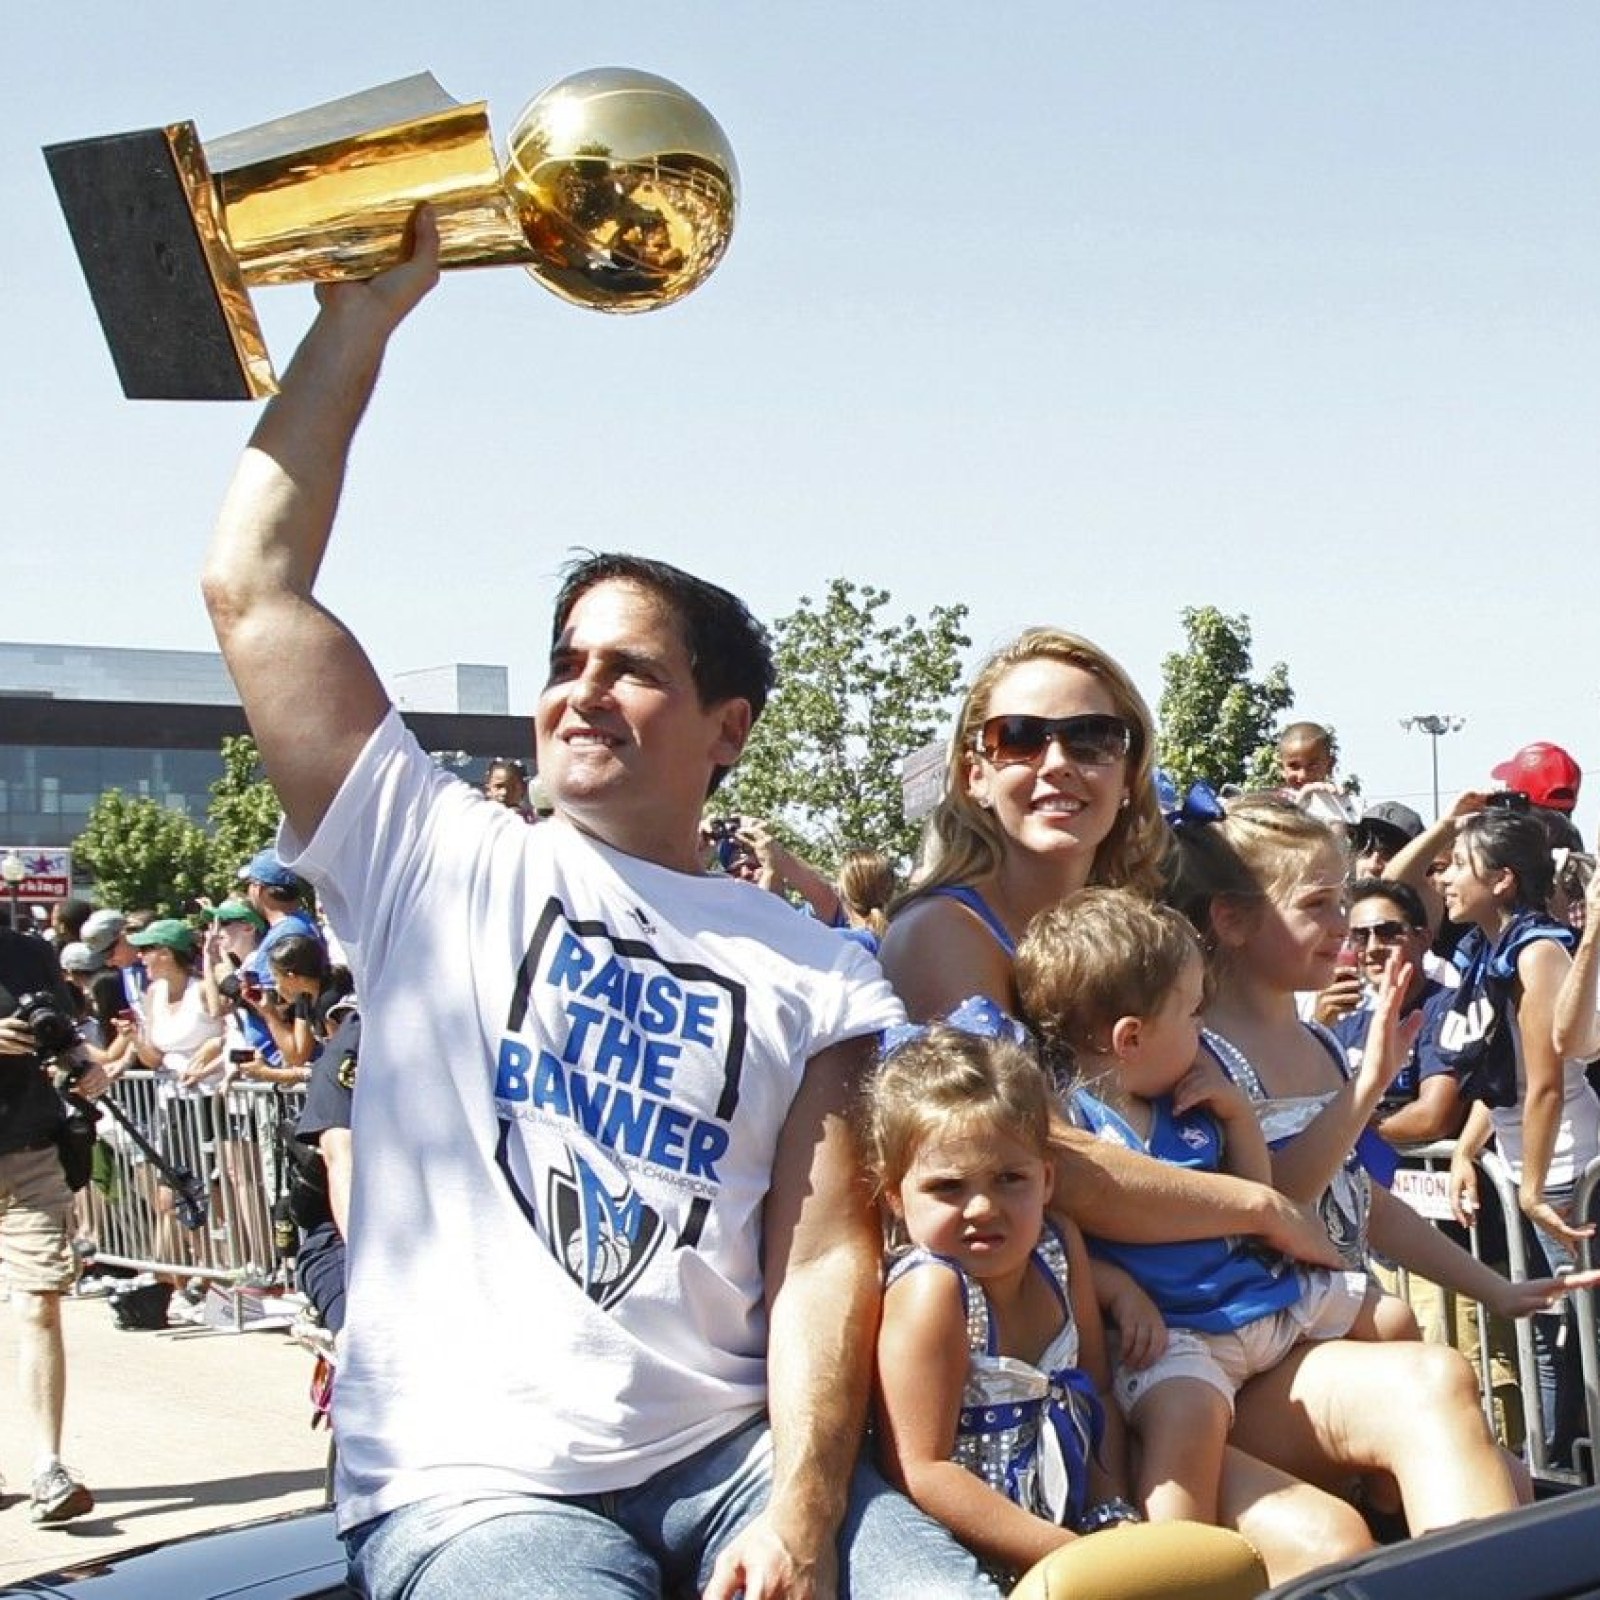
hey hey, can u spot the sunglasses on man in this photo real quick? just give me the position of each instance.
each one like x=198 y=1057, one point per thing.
x=1091 y=740
x=1384 y=932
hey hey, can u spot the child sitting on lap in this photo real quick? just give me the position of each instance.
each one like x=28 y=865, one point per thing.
x=1116 y=985
x=991 y=1355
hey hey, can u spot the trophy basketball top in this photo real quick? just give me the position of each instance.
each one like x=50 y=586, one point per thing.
x=626 y=188
x=618 y=193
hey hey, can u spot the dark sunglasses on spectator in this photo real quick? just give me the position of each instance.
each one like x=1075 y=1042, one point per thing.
x=1092 y=740
x=1385 y=932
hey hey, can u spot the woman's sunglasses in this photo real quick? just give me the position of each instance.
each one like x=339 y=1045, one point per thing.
x=1092 y=740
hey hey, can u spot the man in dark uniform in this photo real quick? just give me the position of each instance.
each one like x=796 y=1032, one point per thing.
x=322 y=1209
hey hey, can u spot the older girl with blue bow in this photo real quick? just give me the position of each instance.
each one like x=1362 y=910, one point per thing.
x=1264 y=886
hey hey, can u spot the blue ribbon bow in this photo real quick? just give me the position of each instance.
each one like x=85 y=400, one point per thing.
x=1077 y=1419
x=1199 y=808
x=977 y=1015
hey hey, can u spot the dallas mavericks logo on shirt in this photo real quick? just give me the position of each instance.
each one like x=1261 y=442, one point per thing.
x=632 y=1062
x=608 y=1237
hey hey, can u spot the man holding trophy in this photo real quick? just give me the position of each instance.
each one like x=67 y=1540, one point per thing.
x=603 y=1096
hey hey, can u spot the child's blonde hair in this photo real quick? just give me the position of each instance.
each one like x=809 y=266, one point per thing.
x=1258 y=850
x=1098 y=956
x=947 y=1080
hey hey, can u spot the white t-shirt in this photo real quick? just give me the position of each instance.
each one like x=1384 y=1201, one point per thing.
x=178 y=1030
x=1577 y=1130
x=574 y=1069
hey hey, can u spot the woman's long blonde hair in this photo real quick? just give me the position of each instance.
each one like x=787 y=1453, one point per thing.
x=962 y=841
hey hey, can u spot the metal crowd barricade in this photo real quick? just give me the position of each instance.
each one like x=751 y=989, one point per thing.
x=1421 y=1184
x=1588 y=1313
x=230 y=1141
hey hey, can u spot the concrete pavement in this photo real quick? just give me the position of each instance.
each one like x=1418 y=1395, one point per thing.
x=175 y=1432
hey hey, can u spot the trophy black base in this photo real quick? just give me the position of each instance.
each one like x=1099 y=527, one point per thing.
x=131 y=209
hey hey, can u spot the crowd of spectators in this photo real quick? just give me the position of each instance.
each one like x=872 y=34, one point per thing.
x=243 y=992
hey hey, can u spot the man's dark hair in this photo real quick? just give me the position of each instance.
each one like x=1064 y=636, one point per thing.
x=1401 y=894
x=729 y=652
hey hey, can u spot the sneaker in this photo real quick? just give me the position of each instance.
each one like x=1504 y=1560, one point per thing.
x=57 y=1497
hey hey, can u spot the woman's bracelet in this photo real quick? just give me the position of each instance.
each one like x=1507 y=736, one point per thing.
x=1107 y=1514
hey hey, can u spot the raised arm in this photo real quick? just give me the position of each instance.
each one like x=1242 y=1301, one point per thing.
x=311 y=695
x=822 y=1248
x=1410 y=864
x=1577 y=1010
x=782 y=869
x=1306 y=1164
x=1541 y=968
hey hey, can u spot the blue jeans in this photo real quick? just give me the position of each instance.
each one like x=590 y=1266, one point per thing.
x=659 y=1539
x=1555 y=1347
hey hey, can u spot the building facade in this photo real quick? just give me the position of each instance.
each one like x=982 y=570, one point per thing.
x=77 y=720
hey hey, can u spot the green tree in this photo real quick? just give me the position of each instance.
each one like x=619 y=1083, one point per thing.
x=1216 y=721
x=856 y=693
x=143 y=855
x=243 y=812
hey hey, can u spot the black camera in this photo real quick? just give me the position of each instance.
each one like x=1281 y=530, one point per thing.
x=54 y=1032
x=1507 y=800
x=724 y=834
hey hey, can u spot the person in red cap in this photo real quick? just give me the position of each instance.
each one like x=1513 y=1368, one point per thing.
x=1545 y=773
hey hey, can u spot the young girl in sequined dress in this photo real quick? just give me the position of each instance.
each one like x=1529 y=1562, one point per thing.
x=991 y=1356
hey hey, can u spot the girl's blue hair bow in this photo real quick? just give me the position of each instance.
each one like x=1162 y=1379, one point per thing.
x=977 y=1015
x=1199 y=808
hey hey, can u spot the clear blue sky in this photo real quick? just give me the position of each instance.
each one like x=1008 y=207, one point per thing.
x=1078 y=313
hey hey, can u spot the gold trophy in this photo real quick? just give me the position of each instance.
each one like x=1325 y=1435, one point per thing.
x=618 y=193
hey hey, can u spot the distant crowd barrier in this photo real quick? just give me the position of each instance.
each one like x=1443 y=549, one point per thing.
x=1489 y=1342
x=229 y=1141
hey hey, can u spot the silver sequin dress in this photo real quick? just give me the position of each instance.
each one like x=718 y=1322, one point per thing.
x=1026 y=1430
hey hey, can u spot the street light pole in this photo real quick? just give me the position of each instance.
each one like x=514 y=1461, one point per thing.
x=13 y=872
x=1436 y=727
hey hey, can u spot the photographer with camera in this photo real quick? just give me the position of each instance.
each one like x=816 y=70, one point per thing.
x=36 y=1203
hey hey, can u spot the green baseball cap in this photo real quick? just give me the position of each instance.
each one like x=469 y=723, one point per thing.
x=169 y=932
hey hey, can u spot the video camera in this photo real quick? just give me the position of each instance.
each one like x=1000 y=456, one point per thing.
x=54 y=1032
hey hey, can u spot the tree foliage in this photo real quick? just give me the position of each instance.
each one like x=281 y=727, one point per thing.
x=856 y=693
x=243 y=810
x=1217 y=722
x=143 y=855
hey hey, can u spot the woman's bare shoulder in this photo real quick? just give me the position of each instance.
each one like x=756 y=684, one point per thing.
x=937 y=953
